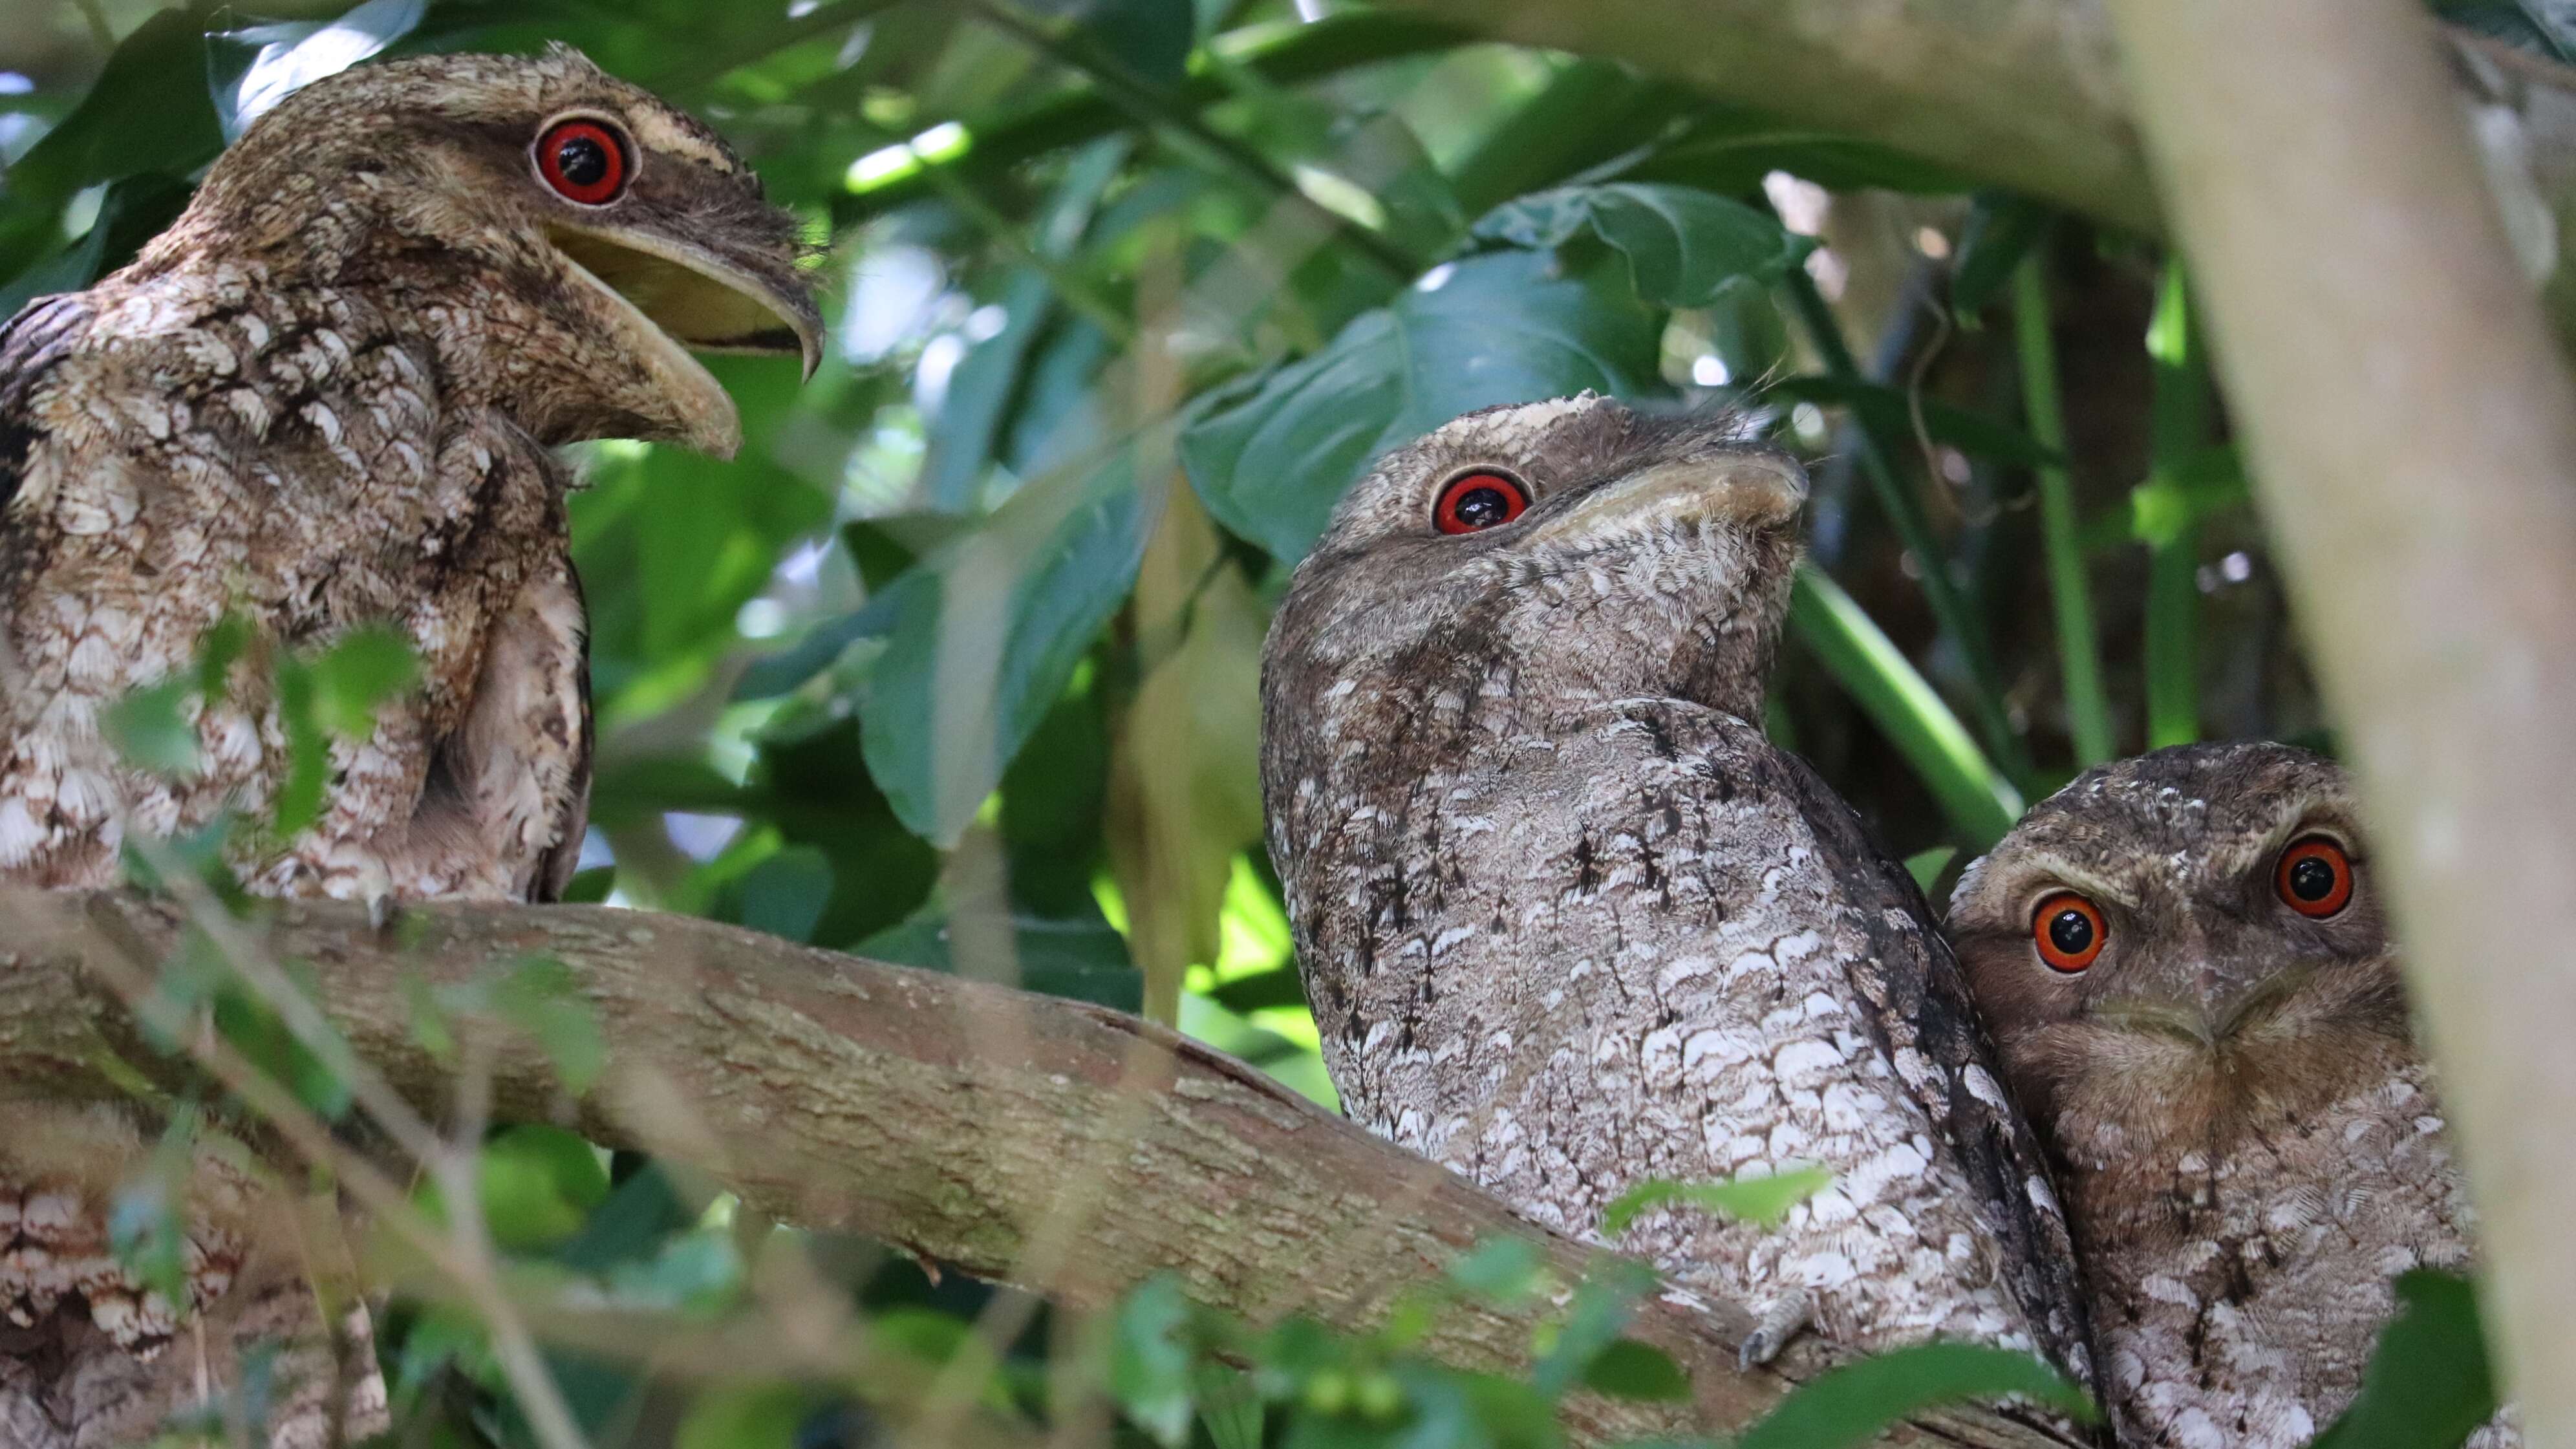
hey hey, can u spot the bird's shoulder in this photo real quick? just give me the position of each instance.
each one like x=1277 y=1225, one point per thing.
x=34 y=344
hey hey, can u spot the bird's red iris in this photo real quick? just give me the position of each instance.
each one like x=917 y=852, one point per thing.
x=1478 y=500
x=2314 y=877
x=2069 y=932
x=585 y=161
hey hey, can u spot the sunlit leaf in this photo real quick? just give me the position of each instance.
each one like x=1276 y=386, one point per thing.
x=537 y=1185
x=1851 y=1404
x=753 y=1416
x=1271 y=457
x=1684 y=247
x=249 y=71
x=1764 y=1200
x=356 y=675
x=1926 y=865
x=1499 y=1269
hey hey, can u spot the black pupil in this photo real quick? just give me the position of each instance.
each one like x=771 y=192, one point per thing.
x=1483 y=507
x=2071 y=932
x=2312 y=879
x=582 y=160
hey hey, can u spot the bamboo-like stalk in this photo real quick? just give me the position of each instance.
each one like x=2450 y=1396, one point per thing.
x=2079 y=651
x=1913 y=528
x=2413 y=434
x=1980 y=802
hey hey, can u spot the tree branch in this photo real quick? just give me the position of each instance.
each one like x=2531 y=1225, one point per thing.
x=2026 y=94
x=1065 y=1148
x=2414 y=435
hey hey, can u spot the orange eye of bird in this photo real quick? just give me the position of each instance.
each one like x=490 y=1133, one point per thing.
x=2314 y=877
x=1478 y=500
x=583 y=160
x=2069 y=932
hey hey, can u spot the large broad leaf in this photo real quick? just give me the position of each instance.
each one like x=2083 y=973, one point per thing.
x=1853 y=1403
x=249 y=71
x=1684 y=246
x=1271 y=458
x=2428 y=1386
x=986 y=633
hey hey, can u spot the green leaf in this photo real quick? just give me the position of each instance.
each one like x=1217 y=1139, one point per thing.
x=1271 y=457
x=1603 y=1303
x=151 y=730
x=538 y=1184
x=2429 y=1385
x=2001 y=229
x=1628 y=1369
x=542 y=998
x=147 y=111
x=1149 y=1360
x=760 y=1416
x=1926 y=865
x=987 y=631
x=1851 y=1404
x=1895 y=415
x=1084 y=960
x=363 y=670
x=1764 y=1200
x=1685 y=247
x=1499 y=1269
x=308 y=752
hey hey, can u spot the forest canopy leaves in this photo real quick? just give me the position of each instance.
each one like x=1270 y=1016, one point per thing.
x=1684 y=247
x=1272 y=458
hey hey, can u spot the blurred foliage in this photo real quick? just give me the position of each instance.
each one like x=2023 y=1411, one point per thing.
x=955 y=666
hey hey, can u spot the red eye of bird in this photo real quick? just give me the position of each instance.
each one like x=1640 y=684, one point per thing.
x=2069 y=932
x=583 y=160
x=1478 y=500
x=2314 y=877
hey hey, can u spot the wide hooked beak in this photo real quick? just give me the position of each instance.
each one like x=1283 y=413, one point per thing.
x=690 y=297
x=1754 y=489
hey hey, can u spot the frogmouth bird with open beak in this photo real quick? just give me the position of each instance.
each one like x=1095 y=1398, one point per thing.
x=327 y=399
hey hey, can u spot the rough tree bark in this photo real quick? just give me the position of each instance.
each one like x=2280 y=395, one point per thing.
x=2026 y=94
x=1068 y=1149
x=2414 y=435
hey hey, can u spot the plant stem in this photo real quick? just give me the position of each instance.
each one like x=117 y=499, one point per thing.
x=2088 y=713
x=1981 y=803
x=1914 y=530
x=2178 y=419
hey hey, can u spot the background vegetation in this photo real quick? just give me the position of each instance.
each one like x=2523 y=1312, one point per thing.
x=955 y=666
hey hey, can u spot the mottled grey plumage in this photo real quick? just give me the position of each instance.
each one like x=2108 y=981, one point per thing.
x=327 y=398
x=1569 y=921
x=2250 y=1141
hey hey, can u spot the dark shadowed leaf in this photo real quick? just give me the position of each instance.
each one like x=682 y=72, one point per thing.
x=1603 y=1303
x=1851 y=1404
x=1085 y=960
x=1628 y=1369
x=2428 y=1386
x=1684 y=246
x=147 y=111
x=1272 y=456
x=2001 y=229
x=1893 y=414
x=1764 y=1200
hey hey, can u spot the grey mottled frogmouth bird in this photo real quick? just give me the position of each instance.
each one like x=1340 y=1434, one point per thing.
x=329 y=398
x=1570 y=922
x=2184 y=959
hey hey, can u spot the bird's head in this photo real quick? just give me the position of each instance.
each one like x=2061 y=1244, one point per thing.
x=565 y=233
x=2182 y=945
x=1547 y=554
